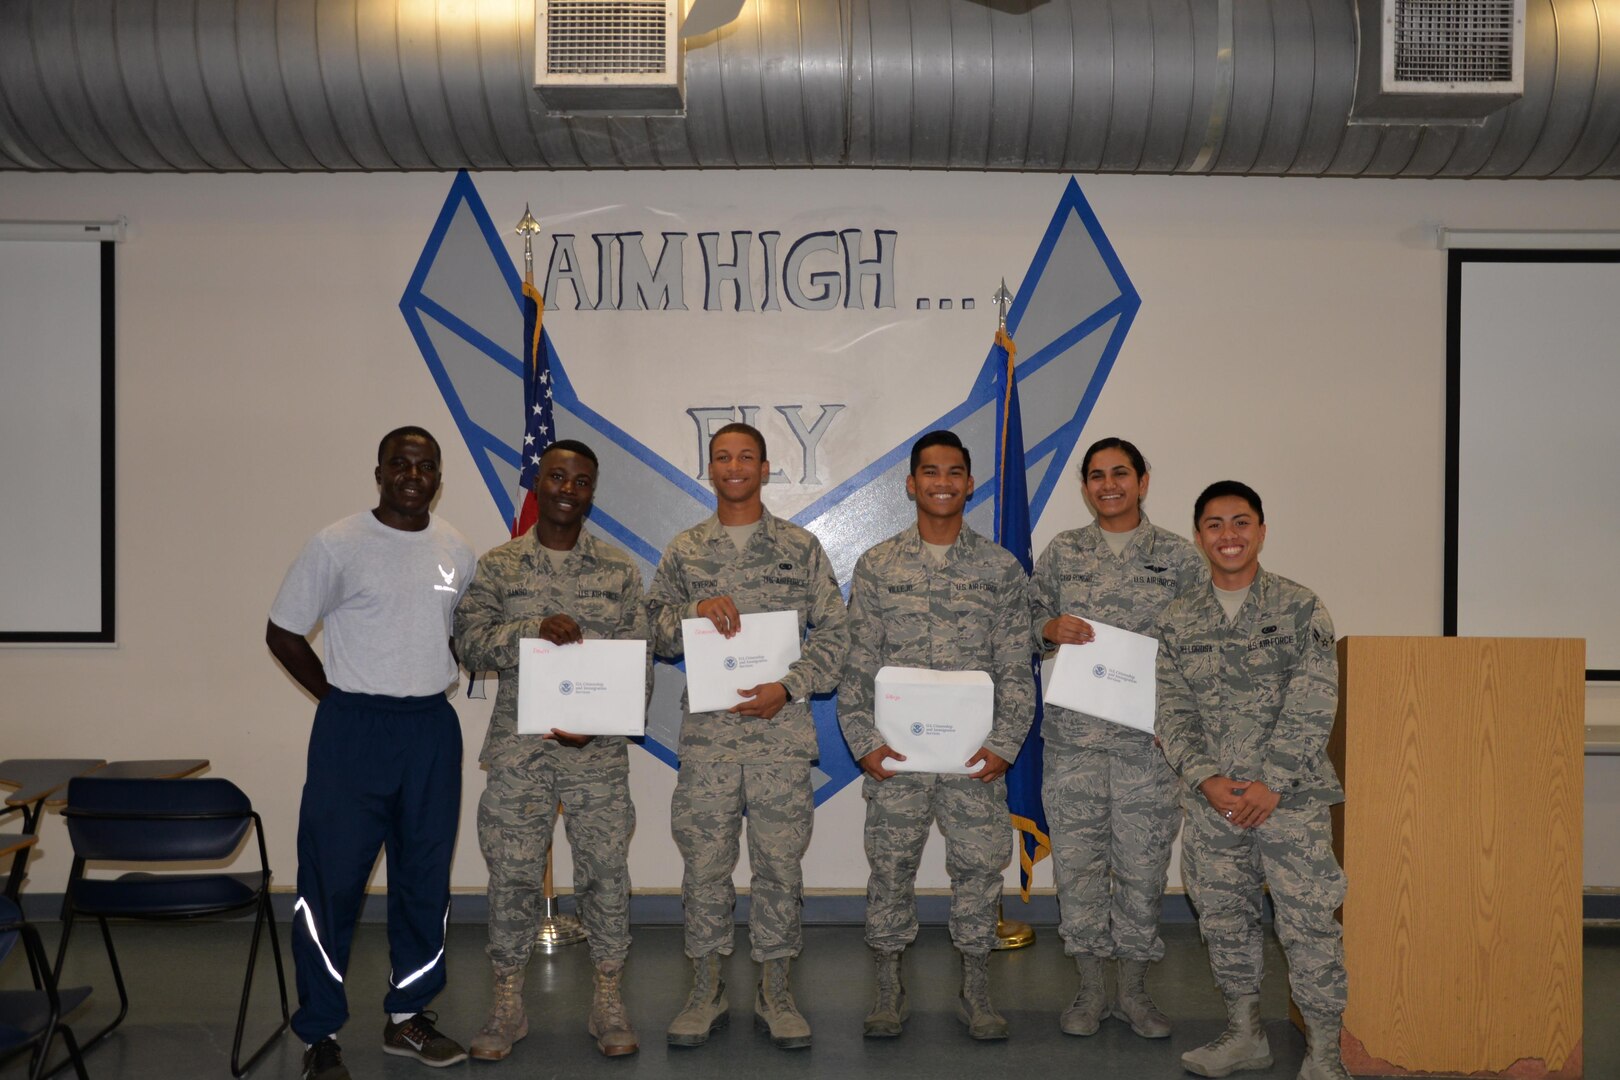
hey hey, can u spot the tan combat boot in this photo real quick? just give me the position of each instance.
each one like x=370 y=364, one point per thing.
x=1322 y=1061
x=1133 y=1005
x=1084 y=1015
x=890 y=1010
x=609 y=1025
x=1242 y=1045
x=775 y=1011
x=973 y=1008
x=705 y=1011
x=506 y=1023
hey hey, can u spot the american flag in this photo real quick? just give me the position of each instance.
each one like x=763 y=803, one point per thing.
x=539 y=422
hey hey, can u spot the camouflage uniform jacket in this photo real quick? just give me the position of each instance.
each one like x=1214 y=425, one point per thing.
x=1079 y=574
x=782 y=568
x=513 y=590
x=1254 y=699
x=971 y=614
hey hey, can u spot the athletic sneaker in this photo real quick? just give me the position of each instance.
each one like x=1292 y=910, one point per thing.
x=418 y=1038
x=324 y=1061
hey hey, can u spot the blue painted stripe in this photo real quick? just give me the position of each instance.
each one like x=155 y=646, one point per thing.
x=441 y=315
x=563 y=392
x=471 y=433
x=617 y=530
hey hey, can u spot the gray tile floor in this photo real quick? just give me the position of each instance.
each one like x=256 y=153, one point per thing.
x=184 y=981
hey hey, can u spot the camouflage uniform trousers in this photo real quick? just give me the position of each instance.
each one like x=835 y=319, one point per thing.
x=1224 y=866
x=1112 y=813
x=972 y=816
x=706 y=816
x=516 y=818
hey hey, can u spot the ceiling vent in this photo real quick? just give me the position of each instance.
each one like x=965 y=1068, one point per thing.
x=1438 y=61
x=608 y=57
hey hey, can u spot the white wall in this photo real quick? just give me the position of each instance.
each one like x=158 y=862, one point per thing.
x=1292 y=334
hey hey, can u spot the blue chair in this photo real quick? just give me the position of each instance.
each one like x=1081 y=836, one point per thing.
x=168 y=821
x=33 y=1016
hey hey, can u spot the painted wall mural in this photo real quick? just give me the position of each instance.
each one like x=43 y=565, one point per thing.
x=663 y=324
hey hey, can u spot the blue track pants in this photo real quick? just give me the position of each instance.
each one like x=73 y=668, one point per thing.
x=382 y=771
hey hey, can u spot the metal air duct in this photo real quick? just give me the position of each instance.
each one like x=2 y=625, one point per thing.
x=1145 y=86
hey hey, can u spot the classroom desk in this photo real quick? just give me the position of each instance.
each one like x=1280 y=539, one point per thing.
x=44 y=781
x=36 y=779
x=11 y=843
x=151 y=769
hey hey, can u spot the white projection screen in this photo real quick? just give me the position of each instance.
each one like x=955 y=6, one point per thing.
x=56 y=441
x=1533 y=469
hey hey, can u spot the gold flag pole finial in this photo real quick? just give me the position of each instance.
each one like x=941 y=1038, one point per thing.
x=527 y=228
x=1003 y=300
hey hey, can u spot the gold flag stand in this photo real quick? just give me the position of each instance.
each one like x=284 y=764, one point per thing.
x=1012 y=934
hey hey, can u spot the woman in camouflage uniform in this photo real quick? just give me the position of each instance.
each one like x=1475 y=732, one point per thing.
x=1111 y=798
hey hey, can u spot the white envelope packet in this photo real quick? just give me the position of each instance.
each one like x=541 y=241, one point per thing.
x=762 y=650
x=938 y=719
x=1112 y=677
x=588 y=688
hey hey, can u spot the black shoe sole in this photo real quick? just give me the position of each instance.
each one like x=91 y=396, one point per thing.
x=698 y=1040
x=796 y=1042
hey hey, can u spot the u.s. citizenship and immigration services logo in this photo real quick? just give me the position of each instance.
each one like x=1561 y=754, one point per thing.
x=1100 y=672
x=916 y=727
x=731 y=663
x=1070 y=316
x=565 y=688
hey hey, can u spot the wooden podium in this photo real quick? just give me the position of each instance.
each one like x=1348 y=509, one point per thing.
x=1461 y=837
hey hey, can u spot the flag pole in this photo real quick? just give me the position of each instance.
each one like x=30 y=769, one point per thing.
x=554 y=930
x=1010 y=933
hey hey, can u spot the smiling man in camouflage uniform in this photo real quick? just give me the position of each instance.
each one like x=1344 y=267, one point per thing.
x=938 y=595
x=1248 y=690
x=560 y=583
x=755 y=757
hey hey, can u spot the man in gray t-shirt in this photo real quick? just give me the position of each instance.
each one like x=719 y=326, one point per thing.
x=385 y=750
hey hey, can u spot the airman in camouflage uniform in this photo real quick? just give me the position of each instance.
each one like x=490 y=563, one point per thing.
x=525 y=589
x=756 y=757
x=1112 y=802
x=1246 y=704
x=916 y=602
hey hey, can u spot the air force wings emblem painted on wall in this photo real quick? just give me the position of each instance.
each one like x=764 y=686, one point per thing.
x=463 y=306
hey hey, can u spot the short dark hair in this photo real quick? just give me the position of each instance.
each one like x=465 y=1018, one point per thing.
x=1138 y=462
x=406 y=432
x=941 y=437
x=741 y=429
x=1220 y=489
x=573 y=446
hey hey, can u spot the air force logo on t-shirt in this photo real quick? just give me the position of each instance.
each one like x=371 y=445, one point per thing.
x=449 y=580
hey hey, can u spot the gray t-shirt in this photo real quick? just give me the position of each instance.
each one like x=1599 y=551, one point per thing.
x=1116 y=541
x=387 y=598
x=741 y=534
x=1232 y=600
